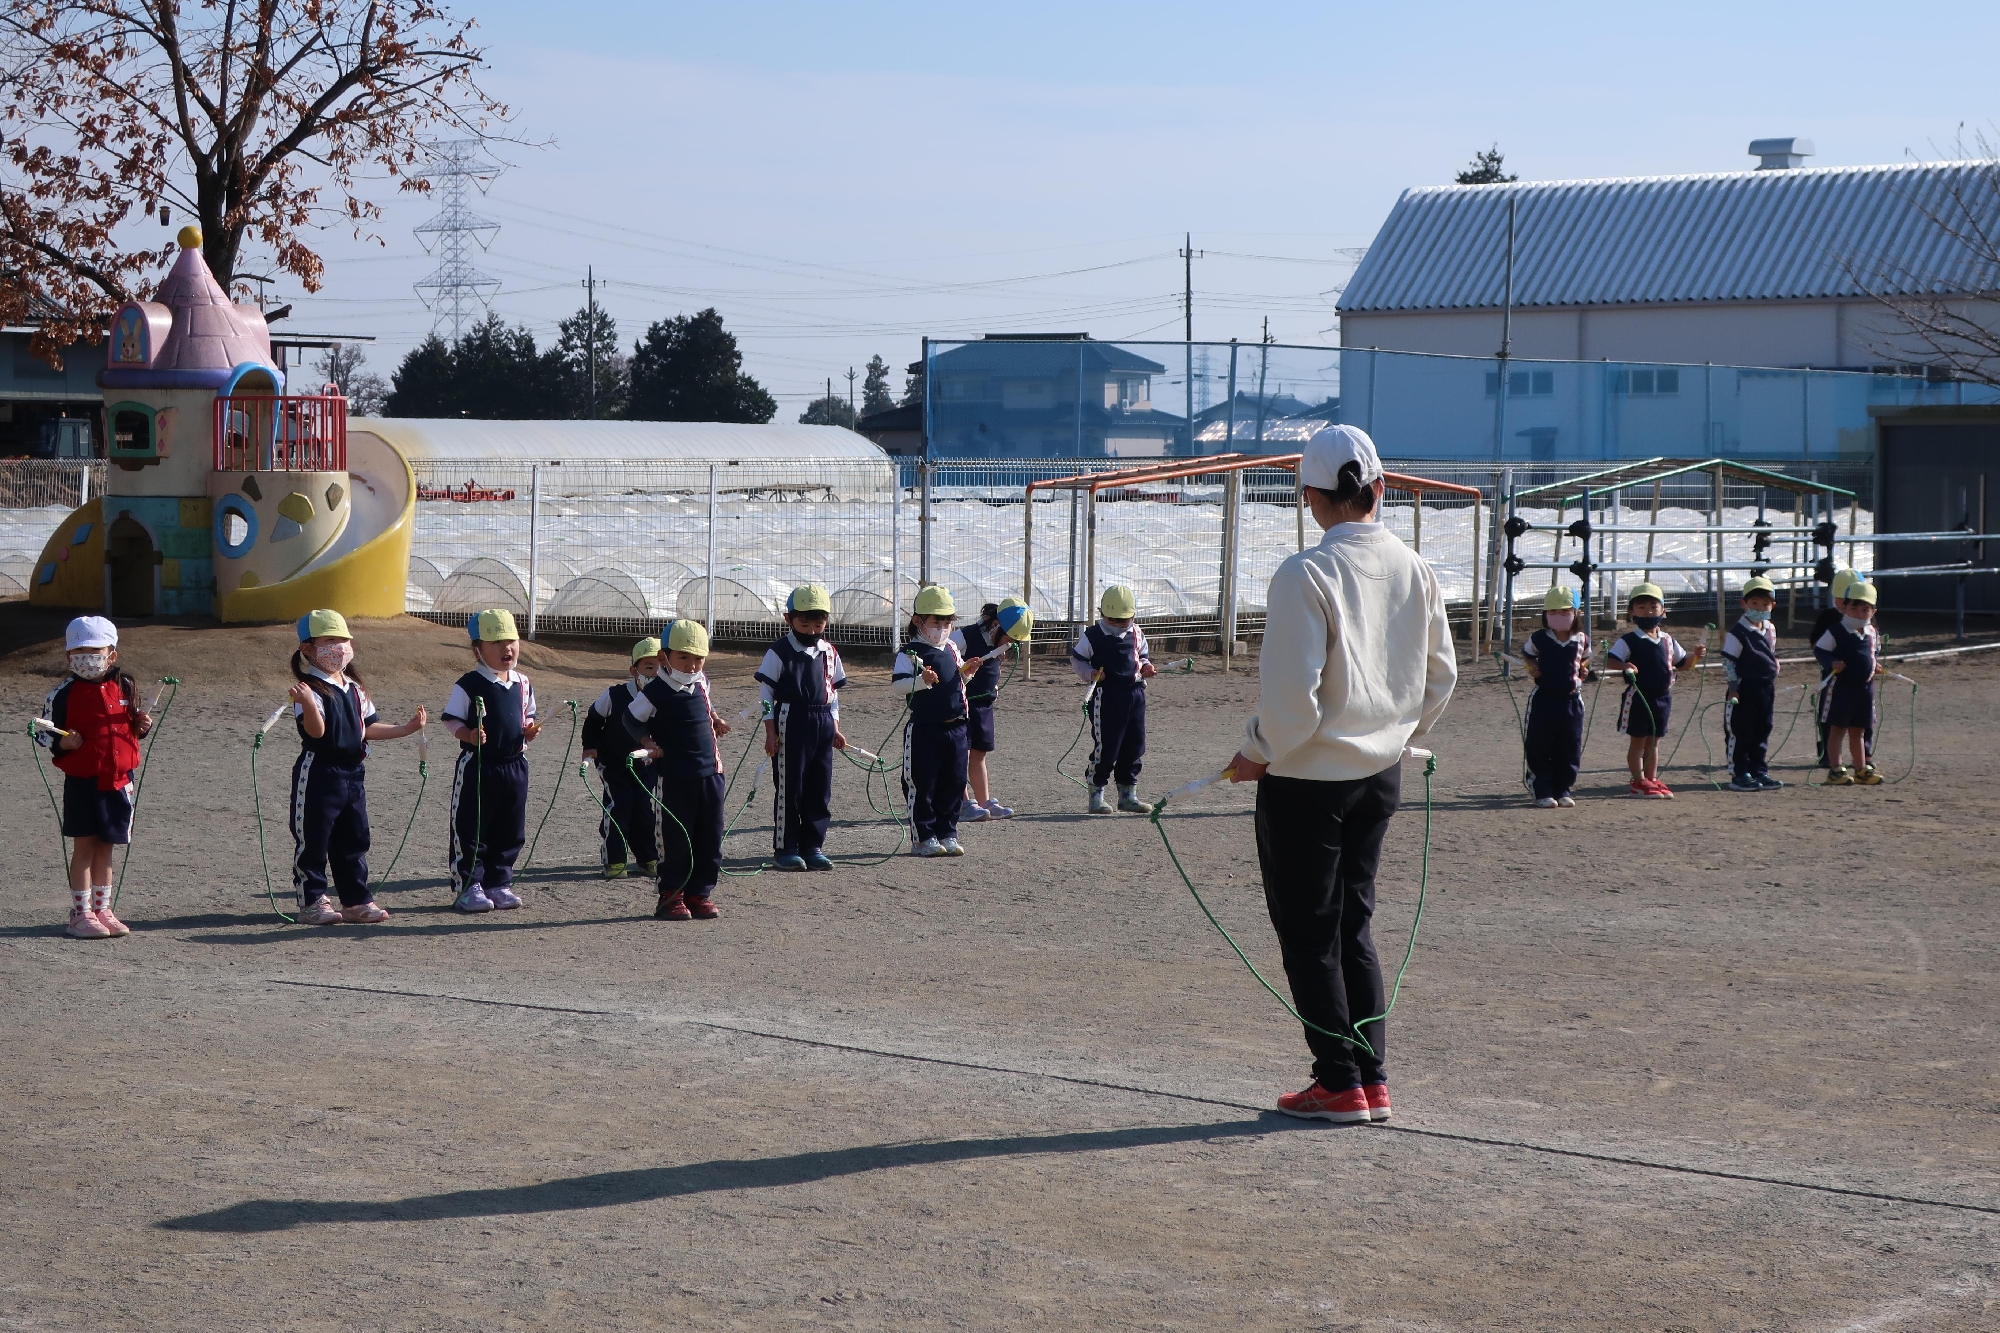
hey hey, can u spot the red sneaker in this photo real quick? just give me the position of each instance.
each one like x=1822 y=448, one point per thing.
x=673 y=907
x=1660 y=789
x=702 y=908
x=1378 y=1101
x=1316 y=1103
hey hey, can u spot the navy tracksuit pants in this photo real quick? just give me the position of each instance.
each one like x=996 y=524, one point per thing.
x=1117 y=735
x=802 y=796
x=489 y=821
x=691 y=854
x=628 y=834
x=329 y=826
x=1554 y=742
x=934 y=756
x=1318 y=846
x=1746 y=727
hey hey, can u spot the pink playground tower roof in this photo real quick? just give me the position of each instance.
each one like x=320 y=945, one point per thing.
x=193 y=335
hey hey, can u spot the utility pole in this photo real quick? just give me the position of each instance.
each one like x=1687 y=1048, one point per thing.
x=1506 y=348
x=1187 y=314
x=830 y=400
x=850 y=394
x=590 y=335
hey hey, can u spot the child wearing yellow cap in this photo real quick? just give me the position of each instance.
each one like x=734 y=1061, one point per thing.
x=799 y=683
x=492 y=713
x=932 y=671
x=1750 y=666
x=1557 y=656
x=627 y=830
x=675 y=722
x=329 y=817
x=1649 y=657
x=1843 y=579
x=1849 y=652
x=1112 y=654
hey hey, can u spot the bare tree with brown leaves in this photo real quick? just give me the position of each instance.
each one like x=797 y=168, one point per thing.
x=264 y=119
x=1941 y=286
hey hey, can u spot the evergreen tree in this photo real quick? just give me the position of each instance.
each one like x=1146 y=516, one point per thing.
x=1487 y=168
x=913 y=385
x=492 y=373
x=422 y=385
x=688 y=368
x=828 y=412
x=581 y=340
x=875 y=396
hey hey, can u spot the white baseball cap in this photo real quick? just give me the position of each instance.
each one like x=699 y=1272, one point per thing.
x=90 y=632
x=1332 y=449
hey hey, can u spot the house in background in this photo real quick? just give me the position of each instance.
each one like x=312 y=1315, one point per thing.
x=1047 y=395
x=46 y=412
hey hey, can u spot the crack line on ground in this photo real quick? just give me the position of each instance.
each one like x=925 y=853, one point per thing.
x=1448 y=1136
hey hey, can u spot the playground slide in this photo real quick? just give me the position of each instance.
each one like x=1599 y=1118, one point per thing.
x=362 y=572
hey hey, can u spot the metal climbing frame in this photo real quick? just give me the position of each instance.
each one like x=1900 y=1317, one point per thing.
x=1240 y=504
x=1606 y=491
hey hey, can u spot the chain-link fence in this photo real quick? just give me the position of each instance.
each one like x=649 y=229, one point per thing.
x=36 y=495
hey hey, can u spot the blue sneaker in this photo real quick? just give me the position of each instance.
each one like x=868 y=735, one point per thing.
x=1767 y=782
x=473 y=899
x=789 y=861
x=1745 y=782
x=818 y=860
x=504 y=900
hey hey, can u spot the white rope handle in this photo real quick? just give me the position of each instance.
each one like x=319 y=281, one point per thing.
x=272 y=720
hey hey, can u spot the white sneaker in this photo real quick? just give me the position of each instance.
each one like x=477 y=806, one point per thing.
x=995 y=810
x=950 y=847
x=1546 y=803
x=928 y=847
x=972 y=812
x=1566 y=801
x=319 y=912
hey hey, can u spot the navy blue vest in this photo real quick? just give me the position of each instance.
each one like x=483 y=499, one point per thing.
x=985 y=682
x=597 y=727
x=1759 y=660
x=1855 y=650
x=680 y=727
x=1557 y=662
x=944 y=701
x=342 y=742
x=1117 y=658
x=801 y=677
x=506 y=706
x=1649 y=659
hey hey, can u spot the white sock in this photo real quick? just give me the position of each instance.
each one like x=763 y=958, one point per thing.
x=100 y=897
x=79 y=900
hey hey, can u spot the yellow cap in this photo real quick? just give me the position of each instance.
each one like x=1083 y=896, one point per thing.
x=1759 y=584
x=190 y=238
x=1858 y=591
x=492 y=627
x=1118 y=603
x=1843 y=579
x=1559 y=599
x=1017 y=621
x=323 y=625
x=933 y=600
x=688 y=636
x=809 y=597
x=1639 y=590
x=644 y=649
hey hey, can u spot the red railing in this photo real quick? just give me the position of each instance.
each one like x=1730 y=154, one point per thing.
x=293 y=433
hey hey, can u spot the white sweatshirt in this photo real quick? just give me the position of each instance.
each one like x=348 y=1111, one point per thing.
x=1357 y=657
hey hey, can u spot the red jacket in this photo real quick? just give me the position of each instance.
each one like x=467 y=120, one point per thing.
x=101 y=711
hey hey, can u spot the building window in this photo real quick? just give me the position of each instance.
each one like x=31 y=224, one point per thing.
x=1659 y=382
x=131 y=431
x=1523 y=383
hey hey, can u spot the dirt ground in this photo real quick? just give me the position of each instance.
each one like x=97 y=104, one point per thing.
x=1721 y=1063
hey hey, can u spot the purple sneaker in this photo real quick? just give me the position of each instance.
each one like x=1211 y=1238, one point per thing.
x=473 y=899
x=504 y=900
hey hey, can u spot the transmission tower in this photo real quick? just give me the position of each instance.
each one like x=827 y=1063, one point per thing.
x=455 y=287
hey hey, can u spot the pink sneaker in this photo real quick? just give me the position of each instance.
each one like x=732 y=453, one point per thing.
x=1378 y=1101
x=364 y=914
x=110 y=922
x=84 y=925
x=319 y=912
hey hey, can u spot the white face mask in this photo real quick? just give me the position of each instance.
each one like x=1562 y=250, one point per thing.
x=1560 y=621
x=1854 y=623
x=90 y=665
x=934 y=635
x=334 y=657
x=647 y=673
x=684 y=679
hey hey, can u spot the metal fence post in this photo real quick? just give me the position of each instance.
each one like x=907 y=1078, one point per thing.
x=923 y=527
x=709 y=610
x=1232 y=490
x=534 y=549
x=82 y=484
x=1028 y=568
x=1089 y=552
x=1507 y=629
x=895 y=554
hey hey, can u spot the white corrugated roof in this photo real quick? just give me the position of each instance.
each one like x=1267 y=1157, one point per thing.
x=1800 y=234
x=618 y=441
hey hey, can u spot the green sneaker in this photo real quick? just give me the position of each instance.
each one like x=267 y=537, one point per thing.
x=614 y=870
x=1838 y=776
x=652 y=869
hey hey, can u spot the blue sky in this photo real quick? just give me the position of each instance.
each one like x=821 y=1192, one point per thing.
x=839 y=180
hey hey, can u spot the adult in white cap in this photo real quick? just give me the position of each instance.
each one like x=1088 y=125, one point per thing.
x=1357 y=662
